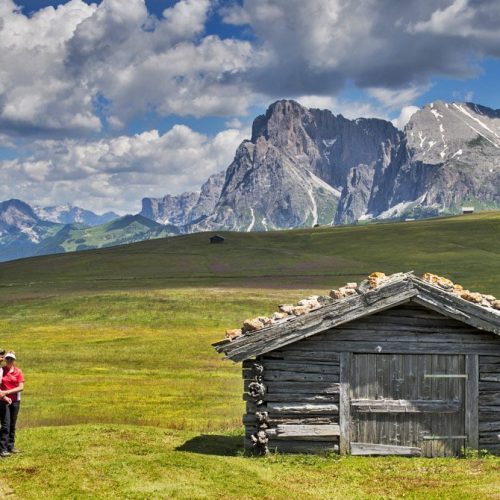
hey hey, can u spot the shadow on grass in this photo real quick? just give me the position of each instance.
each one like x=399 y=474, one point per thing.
x=211 y=444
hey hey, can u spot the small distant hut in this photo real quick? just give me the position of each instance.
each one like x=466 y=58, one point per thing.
x=397 y=365
x=216 y=239
x=467 y=210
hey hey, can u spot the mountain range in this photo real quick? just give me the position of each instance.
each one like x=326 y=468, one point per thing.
x=23 y=233
x=301 y=167
x=68 y=214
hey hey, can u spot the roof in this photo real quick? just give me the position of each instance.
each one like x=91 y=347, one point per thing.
x=216 y=237
x=318 y=313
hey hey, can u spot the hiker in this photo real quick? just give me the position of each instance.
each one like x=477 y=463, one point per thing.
x=10 y=388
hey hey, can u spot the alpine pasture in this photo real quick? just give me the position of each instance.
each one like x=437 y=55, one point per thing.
x=125 y=397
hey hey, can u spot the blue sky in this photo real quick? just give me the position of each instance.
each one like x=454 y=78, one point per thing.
x=103 y=103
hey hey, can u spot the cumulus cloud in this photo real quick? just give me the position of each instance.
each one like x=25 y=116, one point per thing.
x=315 y=47
x=116 y=173
x=73 y=73
x=395 y=98
x=77 y=68
x=404 y=116
x=60 y=64
x=349 y=109
x=34 y=93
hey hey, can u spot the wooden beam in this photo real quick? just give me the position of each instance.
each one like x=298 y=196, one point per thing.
x=300 y=376
x=405 y=406
x=303 y=408
x=450 y=305
x=345 y=402
x=384 y=449
x=471 y=401
x=296 y=366
x=276 y=336
x=294 y=431
x=314 y=347
x=286 y=387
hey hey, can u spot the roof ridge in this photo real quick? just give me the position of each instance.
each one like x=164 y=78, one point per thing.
x=353 y=300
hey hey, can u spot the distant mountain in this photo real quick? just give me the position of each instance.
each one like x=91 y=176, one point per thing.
x=21 y=231
x=127 y=229
x=291 y=171
x=303 y=167
x=186 y=208
x=16 y=215
x=68 y=214
x=448 y=156
x=300 y=168
x=24 y=234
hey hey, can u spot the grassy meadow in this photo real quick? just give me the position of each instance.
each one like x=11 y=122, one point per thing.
x=125 y=398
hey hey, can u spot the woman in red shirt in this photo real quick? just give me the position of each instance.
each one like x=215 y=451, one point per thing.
x=10 y=390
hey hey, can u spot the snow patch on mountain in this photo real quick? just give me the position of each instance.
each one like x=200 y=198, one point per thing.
x=252 y=222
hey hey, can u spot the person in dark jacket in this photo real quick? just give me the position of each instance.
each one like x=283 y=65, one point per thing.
x=10 y=393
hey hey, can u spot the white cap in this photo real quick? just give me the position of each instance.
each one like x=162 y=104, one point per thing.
x=10 y=354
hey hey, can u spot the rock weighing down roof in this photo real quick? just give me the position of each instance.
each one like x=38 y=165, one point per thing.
x=319 y=312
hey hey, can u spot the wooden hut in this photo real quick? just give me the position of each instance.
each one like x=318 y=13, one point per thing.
x=216 y=239
x=397 y=365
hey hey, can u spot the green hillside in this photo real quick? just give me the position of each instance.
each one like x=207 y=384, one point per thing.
x=52 y=238
x=126 y=398
x=466 y=248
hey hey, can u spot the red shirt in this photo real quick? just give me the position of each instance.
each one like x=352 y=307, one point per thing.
x=11 y=380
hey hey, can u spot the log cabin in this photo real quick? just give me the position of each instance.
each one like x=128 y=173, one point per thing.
x=216 y=239
x=398 y=365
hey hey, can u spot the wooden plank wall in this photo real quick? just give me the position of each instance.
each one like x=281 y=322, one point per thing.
x=302 y=379
x=301 y=402
x=489 y=404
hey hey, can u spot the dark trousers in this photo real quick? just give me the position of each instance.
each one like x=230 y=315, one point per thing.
x=8 y=420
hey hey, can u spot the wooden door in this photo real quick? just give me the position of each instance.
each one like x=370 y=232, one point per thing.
x=408 y=404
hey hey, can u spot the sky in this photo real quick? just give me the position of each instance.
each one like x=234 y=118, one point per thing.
x=104 y=103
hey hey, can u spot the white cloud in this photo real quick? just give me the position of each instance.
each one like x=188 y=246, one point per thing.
x=349 y=109
x=404 y=116
x=57 y=64
x=34 y=94
x=63 y=68
x=316 y=47
x=116 y=173
x=395 y=98
x=456 y=18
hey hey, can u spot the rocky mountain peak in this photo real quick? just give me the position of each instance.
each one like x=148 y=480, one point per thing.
x=16 y=213
x=307 y=166
x=443 y=131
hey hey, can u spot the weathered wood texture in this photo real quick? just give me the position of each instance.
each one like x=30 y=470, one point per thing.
x=400 y=288
x=384 y=449
x=405 y=406
x=393 y=293
x=472 y=401
x=405 y=329
x=489 y=404
x=303 y=384
x=344 y=406
x=395 y=404
x=300 y=404
x=304 y=431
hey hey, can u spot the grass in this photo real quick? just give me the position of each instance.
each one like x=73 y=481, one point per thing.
x=125 y=398
x=467 y=248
